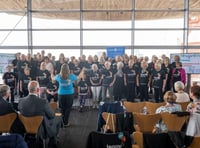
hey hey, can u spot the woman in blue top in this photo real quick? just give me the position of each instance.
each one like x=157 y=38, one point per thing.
x=65 y=91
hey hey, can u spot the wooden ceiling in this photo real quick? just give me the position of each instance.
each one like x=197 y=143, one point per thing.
x=90 y=5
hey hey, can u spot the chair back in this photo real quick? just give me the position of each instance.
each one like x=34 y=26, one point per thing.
x=110 y=120
x=31 y=124
x=53 y=105
x=195 y=142
x=6 y=122
x=134 y=106
x=172 y=121
x=145 y=123
x=183 y=105
x=138 y=139
x=152 y=106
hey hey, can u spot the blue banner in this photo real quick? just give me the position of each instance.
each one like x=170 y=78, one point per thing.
x=114 y=51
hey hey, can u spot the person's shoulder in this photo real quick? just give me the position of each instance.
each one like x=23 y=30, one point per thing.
x=160 y=109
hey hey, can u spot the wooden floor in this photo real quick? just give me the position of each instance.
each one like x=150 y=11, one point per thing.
x=81 y=124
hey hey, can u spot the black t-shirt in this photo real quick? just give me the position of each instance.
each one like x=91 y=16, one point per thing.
x=176 y=75
x=14 y=62
x=130 y=74
x=95 y=77
x=9 y=78
x=144 y=76
x=158 y=77
x=43 y=77
x=83 y=87
x=76 y=69
x=21 y=65
x=107 y=79
x=25 y=80
x=52 y=86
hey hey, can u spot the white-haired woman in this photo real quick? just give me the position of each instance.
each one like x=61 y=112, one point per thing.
x=181 y=95
x=95 y=80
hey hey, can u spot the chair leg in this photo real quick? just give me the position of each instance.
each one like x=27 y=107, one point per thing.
x=44 y=143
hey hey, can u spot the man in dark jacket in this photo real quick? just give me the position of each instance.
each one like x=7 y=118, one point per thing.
x=32 y=105
x=5 y=106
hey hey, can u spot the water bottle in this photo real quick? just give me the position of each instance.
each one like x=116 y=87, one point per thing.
x=145 y=111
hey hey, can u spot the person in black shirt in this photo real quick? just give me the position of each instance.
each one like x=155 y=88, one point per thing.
x=22 y=64
x=10 y=80
x=52 y=89
x=159 y=82
x=108 y=79
x=83 y=90
x=95 y=80
x=168 y=72
x=23 y=82
x=130 y=75
x=118 y=87
x=43 y=75
x=75 y=69
x=15 y=70
x=59 y=63
x=143 y=81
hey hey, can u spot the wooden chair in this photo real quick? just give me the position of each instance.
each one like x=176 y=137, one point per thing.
x=145 y=123
x=54 y=106
x=152 y=106
x=110 y=120
x=195 y=143
x=6 y=122
x=173 y=122
x=134 y=106
x=184 y=105
x=31 y=125
x=138 y=139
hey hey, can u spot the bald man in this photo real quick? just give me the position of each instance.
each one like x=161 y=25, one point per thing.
x=32 y=105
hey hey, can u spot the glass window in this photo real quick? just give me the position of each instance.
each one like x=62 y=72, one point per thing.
x=107 y=38
x=59 y=38
x=10 y=21
x=107 y=25
x=18 y=38
x=154 y=37
x=166 y=22
x=41 y=23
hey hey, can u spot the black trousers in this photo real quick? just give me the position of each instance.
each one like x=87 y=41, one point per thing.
x=65 y=104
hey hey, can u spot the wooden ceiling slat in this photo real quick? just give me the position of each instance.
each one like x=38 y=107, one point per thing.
x=102 y=5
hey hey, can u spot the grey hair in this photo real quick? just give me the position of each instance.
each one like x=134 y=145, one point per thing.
x=179 y=85
x=33 y=86
x=3 y=90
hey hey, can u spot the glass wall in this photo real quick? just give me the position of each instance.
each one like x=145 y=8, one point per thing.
x=142 y=27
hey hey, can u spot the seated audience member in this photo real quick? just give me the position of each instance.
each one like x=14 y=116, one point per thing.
x=194 y=107
x=193 y=128
x=32 y=105
x=170 y=107
x=181 y=95
x=6 y=108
